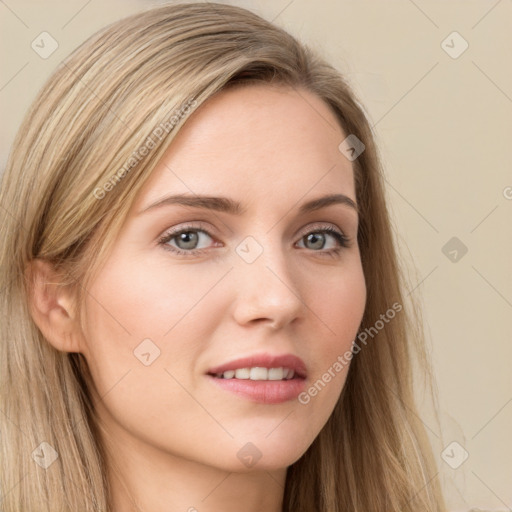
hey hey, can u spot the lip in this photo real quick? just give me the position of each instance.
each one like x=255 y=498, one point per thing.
x=263 y=391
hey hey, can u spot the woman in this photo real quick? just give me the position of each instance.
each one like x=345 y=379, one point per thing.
x=202 y=304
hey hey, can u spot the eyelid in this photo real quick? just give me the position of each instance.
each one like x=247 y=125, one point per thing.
x=191 y=225
x=318 y=226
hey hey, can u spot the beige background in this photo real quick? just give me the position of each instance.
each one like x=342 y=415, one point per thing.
x=444 y=126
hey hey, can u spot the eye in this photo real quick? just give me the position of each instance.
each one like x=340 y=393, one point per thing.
x=318 y=238
x=186 y=239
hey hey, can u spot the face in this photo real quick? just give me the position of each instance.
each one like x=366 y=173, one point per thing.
x=190 y=288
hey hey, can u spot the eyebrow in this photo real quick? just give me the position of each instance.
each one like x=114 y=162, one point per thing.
x=227 y=205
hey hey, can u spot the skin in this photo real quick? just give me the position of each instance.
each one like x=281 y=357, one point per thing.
x=172 y=433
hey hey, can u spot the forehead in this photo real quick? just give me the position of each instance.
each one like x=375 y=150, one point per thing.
x=260 y=142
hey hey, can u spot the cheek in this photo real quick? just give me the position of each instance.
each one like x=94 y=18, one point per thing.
x=149 y=323
x=130 y=302
x=339 y=306
x=145 y=330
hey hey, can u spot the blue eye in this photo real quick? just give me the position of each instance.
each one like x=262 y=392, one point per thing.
x=187 y=238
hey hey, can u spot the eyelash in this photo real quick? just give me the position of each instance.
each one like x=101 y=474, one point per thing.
x=343 y=240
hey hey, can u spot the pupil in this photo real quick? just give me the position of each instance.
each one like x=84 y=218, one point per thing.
x=317 y=237
x=189 y=237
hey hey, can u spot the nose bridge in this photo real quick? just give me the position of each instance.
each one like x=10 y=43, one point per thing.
x=267 y=285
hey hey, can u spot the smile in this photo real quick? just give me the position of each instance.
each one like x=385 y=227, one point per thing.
x=258 y=373
x=263 y=378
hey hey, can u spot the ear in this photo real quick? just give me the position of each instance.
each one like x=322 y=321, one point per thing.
x=52 y=307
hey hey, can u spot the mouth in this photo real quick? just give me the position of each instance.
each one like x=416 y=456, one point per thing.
x=262 y=378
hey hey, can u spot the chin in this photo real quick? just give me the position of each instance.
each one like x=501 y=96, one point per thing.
x=269 y=453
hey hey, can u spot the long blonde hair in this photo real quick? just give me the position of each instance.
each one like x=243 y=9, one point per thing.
x=82 y=132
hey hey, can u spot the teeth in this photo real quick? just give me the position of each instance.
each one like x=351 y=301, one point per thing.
x=258 y=373
x=243 y=373
x=275 y=373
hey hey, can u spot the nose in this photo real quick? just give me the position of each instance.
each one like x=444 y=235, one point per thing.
x=268 y=288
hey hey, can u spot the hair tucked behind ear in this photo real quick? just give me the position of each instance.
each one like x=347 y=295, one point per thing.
x=83 y=131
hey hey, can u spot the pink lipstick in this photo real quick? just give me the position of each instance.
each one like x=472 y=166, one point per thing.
x=263 y=378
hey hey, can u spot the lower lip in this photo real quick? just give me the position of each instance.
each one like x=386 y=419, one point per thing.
x=263 y=391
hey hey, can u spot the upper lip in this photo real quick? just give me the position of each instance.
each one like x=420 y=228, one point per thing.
x=265 y=361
